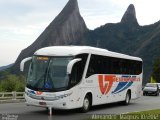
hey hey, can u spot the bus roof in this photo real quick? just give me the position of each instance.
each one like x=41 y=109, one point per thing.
x=75 y=50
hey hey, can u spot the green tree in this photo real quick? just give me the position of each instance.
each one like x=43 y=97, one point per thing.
x=20 y=84
x=156 y=70
x=12 y=83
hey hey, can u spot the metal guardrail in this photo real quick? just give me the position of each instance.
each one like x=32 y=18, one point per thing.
x=11 y=95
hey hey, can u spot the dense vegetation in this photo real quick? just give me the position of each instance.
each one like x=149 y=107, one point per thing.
x=156 y=70
x=10 y=82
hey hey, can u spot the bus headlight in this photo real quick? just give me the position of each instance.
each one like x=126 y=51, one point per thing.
x=63 y=96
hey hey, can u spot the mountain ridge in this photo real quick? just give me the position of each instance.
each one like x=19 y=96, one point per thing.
x=5 y=67
x=129 y=38
x=126 y=36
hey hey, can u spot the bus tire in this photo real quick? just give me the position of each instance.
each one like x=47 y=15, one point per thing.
x=127 y=98
x=86 y=104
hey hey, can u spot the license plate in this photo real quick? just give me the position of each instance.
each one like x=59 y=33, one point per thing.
x=42 y=103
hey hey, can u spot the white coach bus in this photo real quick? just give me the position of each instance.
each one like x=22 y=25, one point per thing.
x=68 y=77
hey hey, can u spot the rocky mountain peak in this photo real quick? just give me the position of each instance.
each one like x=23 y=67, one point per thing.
x=66 y=29
x=70 y=9
x=72 y=4
x=130 y=15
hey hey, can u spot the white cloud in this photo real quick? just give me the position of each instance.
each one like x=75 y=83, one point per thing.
x=10 y=52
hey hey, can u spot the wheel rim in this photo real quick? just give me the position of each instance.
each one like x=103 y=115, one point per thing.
x=86 y=103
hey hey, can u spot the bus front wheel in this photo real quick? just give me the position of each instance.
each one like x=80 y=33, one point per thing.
x=86 y=104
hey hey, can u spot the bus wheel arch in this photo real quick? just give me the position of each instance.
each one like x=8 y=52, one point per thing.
x=87 y=102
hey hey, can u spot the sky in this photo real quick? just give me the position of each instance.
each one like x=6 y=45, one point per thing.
x=22 y=21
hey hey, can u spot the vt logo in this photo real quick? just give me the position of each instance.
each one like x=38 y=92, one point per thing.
x=105 y=83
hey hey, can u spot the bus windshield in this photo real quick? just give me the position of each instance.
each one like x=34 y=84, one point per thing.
x=48 y=73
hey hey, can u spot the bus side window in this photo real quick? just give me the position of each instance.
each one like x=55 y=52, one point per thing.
x=111 y=65
x=97 y=65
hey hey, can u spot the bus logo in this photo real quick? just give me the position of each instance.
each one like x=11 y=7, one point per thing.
x=38 y=93
x=105 y=83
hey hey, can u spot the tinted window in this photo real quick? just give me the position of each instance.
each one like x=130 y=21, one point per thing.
x=110 y=65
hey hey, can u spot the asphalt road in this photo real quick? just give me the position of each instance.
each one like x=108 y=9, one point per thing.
x=23 y=112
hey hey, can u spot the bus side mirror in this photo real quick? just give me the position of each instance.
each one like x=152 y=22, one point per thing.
x=71 y=63
x=23 y=62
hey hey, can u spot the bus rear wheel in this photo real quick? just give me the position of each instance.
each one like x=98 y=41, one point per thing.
x=127 y=98
x=86 y=104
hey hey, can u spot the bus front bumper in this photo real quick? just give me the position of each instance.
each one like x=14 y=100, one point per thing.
x=56 y=104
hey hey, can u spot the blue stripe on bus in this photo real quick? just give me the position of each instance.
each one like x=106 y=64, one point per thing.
x=119 y=86
x=123 y=85
x=127 y=86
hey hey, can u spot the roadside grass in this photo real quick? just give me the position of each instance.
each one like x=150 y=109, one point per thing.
x=143 y=115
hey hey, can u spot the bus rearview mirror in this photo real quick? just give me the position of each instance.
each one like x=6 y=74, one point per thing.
x=71 y=63
x=23 y=62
